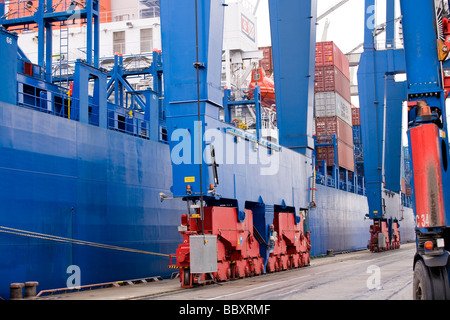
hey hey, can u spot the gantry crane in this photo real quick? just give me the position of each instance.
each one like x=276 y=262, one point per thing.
x=426 y=37
x=242 y=219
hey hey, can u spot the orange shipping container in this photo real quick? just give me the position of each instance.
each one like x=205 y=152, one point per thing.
x=330 y=78
x=345 y=155
x=267 y=61
x=356 y=116
x=328 y=54
x=328 y=126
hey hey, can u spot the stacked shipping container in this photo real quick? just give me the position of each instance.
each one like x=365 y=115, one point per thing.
x=357 y=141
x=328 y=54
x=267 y=61
x=333 y=114
x=331 y=104
x=333 y=111
x=331 y=79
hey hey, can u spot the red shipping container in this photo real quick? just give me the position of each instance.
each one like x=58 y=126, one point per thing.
x=266 y=62
x=325 y=153
x=408 y=191
x=329 y=126
x=345 y=155
x=356 y=116
x=328 y=54
x=329 y=78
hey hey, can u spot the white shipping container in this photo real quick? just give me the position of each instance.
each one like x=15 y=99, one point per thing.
x=332 y=104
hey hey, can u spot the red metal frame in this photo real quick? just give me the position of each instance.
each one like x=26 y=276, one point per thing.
x=238 y=251
x=378 y=227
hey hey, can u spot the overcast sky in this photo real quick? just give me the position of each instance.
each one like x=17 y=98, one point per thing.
x=346 y=23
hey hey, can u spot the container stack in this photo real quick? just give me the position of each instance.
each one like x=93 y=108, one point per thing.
x=357 y=141
x=333 y=114
x=266 y=63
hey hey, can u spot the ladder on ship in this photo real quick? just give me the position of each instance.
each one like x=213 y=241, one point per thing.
x=64 y=55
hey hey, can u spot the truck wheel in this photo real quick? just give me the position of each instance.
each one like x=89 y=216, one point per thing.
x=421 y=282
x=430 y=283
x=187 y=278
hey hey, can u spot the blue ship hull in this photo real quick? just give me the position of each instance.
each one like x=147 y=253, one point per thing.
x=72 y=180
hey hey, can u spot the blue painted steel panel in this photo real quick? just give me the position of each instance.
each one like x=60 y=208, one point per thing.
x=80 y=103
x=179 y=43
x=357 y=136
x=50 y=165
x=420 y=44
x=338 y=222
x=395 y=95
x=8 y=71
x=293 y=27
x=192 y=104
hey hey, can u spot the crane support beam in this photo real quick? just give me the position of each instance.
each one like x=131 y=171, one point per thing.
x=293 y=25
x=381 y=108
x=381 y=100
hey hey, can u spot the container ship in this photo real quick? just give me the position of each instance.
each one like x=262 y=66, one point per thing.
x=81 y=185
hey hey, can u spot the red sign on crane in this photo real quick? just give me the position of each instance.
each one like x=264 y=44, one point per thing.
x=248 y=27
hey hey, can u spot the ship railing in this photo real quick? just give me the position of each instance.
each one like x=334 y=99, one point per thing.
x=18 y=9
x=241 y=94
x=163 y=134
x=407 y=201
x=324 y=180
x=30 y=69
x=361 y=186
x=128 y=121
x=349 y=186
x=57 y=103
x=382 y=45
x=132 y=62
x=331 y=182
x=26 y=8
x=135 y=13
